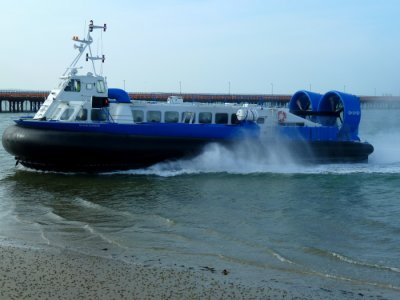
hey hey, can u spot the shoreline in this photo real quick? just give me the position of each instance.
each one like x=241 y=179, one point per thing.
x=33 y=273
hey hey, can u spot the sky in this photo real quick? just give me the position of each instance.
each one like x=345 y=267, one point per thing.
x=209 y=46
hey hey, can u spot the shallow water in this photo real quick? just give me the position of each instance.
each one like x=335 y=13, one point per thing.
x=225 y=209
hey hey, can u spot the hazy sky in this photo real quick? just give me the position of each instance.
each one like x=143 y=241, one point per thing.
x=256 y=46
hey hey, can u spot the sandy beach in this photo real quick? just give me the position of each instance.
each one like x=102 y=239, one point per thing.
x=27 y=273
x=32 y=273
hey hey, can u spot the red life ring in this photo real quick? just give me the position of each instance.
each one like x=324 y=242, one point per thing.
x=281 y=116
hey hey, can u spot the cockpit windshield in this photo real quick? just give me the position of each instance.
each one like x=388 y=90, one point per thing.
x=100 y=86
x=74 y=85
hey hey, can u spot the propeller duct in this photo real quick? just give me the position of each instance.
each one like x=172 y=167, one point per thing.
x=304 y=101
x=346 y=113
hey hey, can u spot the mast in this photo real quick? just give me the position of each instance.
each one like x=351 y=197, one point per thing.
x=82 y=46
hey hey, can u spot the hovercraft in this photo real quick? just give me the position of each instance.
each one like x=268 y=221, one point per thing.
x=84 y=126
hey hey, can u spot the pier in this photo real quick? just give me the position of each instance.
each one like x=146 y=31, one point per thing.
x=30 y=101
x=21 y=101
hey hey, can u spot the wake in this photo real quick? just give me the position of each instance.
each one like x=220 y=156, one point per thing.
x=244 y=159
x=247 y=158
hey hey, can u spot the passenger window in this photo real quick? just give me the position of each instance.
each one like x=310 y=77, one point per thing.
x=260 y=121
x=153 y=116
x=187 y=117
x=138 y=116
x=205 y=117
x=98 y=114
x=100 y=87
x=171 y=117
x=67 y=114
x=221 y=118
x=55 y=114
x=73 y=86
x=82 y=115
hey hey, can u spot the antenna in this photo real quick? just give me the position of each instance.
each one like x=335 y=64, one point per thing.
x=92 y=26
x=83 y=45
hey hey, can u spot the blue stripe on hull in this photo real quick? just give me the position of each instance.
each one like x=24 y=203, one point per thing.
x=179 y=130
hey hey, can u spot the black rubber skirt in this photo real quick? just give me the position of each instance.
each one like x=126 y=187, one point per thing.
x=65 y=151
x=69 y=151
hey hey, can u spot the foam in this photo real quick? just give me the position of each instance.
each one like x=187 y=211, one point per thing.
x=241 y=160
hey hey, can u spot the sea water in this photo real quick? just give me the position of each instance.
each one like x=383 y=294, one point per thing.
x=226 y=209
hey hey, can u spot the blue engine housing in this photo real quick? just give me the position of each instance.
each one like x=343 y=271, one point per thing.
x=346 y=109
x=119 y=95
x=304 y=101
x=335 y=111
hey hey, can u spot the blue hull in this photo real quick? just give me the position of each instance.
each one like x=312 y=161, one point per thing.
x=102 y=147
x=73 y=147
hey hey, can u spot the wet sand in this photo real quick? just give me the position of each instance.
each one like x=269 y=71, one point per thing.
x=31 y=273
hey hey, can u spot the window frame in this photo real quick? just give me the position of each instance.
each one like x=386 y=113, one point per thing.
x=202 y=118
x=168 y=119
x=221 y=118
x=134 y=116
x=153 y=112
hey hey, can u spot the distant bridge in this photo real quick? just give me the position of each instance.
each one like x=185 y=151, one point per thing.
x=30 y=101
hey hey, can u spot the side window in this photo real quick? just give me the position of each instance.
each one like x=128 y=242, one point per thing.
x=221 y=118
x=55 y=114
x=73 y=85
x=260 y=121
x=100 y=87
x=98 y=114
x=205 y=117
x=82 y=115
x=67 y=114
x=153 y=116
x=138 y=116
x=171 y=117
x=187 y=117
